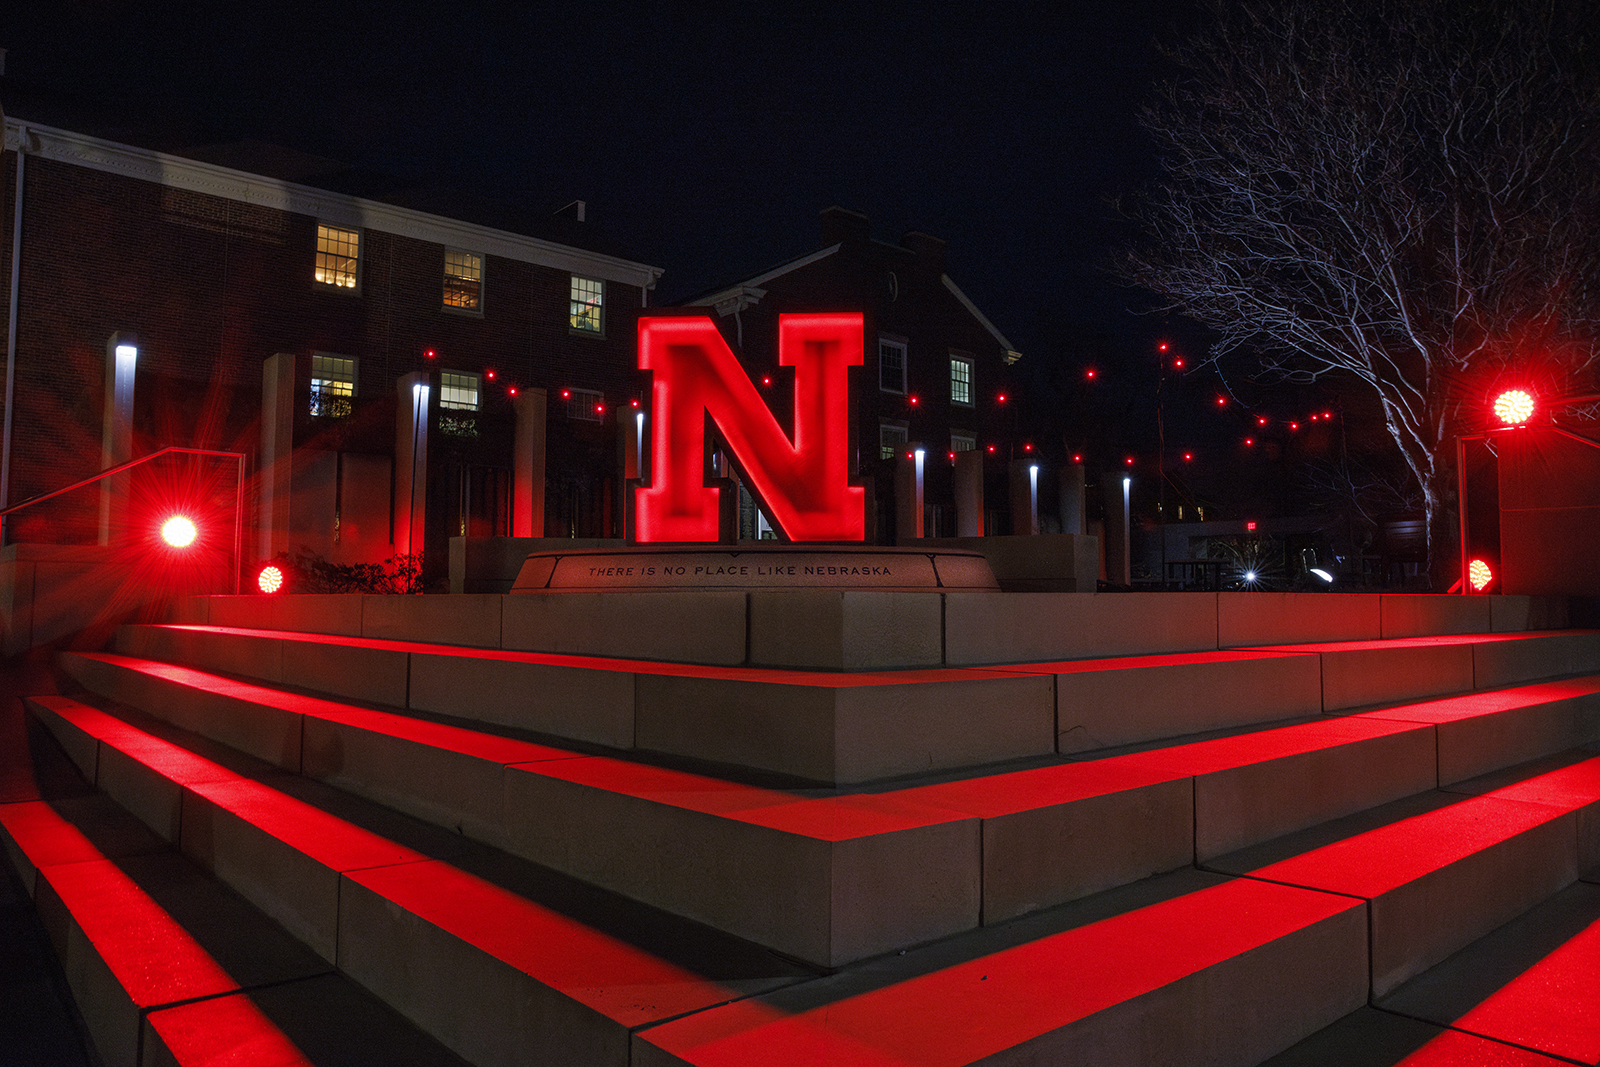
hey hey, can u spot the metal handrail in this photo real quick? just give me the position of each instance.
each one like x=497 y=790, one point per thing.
x=238 y=498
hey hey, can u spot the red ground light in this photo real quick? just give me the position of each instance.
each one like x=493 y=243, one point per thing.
x=1514 y=407
x=270 y=580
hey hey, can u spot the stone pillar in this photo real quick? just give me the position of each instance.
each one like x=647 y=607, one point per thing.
x=116 y=435
x=277 y=454
x=411 y=463
x=1023 y=481
x=1117 y=488
x=531 y=408
x=967 y=481
x=908 y=485
x=1072 y=497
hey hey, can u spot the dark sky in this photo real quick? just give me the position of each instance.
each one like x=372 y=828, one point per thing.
x=706 y=136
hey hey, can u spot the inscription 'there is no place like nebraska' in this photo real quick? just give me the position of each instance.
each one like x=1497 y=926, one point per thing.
x=758 y=570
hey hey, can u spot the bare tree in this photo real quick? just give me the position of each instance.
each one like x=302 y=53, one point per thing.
x=1402 y=193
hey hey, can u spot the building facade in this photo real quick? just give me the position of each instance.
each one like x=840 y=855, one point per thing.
x=394 y=375
x=934 y=379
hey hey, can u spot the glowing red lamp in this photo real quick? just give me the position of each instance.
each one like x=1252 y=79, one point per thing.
x=179 y=531
x=270 y=579
x=1514 y=407
x=1479 y=575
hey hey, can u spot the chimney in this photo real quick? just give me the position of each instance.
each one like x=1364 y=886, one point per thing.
x=928 y=249
x=839 y=225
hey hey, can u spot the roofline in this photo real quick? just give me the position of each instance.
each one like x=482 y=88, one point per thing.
x=729 y=291
x=177 y=172
x=1012 y=355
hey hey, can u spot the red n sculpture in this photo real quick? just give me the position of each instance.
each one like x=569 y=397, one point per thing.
x=804 y=484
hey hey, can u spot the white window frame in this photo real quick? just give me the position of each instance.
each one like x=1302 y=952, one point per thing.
x=333 y=384
x=898 y=349
x=586 y=308
x=460 y=390
x=584 y=404
x=893 y=438
x=465 y=269
x=961 y=384
x=338 y=259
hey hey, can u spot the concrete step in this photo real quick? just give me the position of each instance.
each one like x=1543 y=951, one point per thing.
x=522 y=974
x=1185 y=969
x=834 y=878
x=1442 y=869
x=825 y=727
x=856 y=728
x=864 y=630
x=168 y=967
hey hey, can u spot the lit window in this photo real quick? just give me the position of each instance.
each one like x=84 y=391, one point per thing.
x=333 y=384
x=463 y=280
x=588 y=305
x=961 y=381
x=963 y=442
x=458 y=390
x=892 y=438
x=338 y=252
x=585 y=404
x=891 y=366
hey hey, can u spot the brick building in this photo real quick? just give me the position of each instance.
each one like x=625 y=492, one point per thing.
x=396 y=373
x=934 y=379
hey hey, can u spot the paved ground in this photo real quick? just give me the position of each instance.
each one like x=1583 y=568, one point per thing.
x=39 y=1027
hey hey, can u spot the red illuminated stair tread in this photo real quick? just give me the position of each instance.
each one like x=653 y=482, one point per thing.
x=1471 y=705
x=962 y=1013
x=224 y=1032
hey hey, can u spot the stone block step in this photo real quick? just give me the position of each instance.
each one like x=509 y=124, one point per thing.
x=824 y=727
x=167 y=967
x=522 y=975
x=1372 y=1038
x=1201 y=971
x=1360 y=673
x=1529 y=983
x=830 y=878
x=1439 y=870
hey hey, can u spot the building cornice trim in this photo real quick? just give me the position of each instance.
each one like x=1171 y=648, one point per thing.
x=176 y=172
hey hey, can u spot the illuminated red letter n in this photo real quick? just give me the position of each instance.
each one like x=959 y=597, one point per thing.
x=804 y=484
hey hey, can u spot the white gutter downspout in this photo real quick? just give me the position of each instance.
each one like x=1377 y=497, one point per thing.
x=11 y=320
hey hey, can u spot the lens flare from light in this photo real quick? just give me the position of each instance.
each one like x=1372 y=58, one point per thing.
x=1514 y=407
x=270 y=580
x=179 y=531
x=1479 y=575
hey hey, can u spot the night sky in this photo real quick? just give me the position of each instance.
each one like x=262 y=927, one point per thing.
x=707 y=137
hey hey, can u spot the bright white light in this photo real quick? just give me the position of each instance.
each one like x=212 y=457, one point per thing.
x=1324 y=575
x=1249 y=576
x=270 y=580
x=1514 y=407
x=178 y=532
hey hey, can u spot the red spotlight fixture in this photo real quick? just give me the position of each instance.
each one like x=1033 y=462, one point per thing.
x=1249 y=442
x=766 y=379
x=512 y=390
x=1028 y=447
x=179 y=531
x=913 y=401
x=1261 y=420
x=430 y=354
x=991 y=448
x=1479 y=575
x=1514 y=407
x=599 y=409
x=1077 y=457
x=1162 y=347
x=1002 y=398
x=1129 y=461
x=1294 y=426
x=489 y=374
x=1187 y=456
x=1089 y=373
x=566 y=394
x=1250 y=525
x=270 y=579
x=1222 y=401
x=1178 y=363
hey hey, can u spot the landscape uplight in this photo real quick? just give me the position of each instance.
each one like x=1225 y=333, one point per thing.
x=1514 y=407
x=179 y=531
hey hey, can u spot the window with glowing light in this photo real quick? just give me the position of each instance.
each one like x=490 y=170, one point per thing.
x=585 y=404
x=961 y=381
x=338 y=256
x=458 y=390
x=333 y=385
x=587 y=308
x=892 y=439
x=892 y=366
x=463 y=280
x=963 y=442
